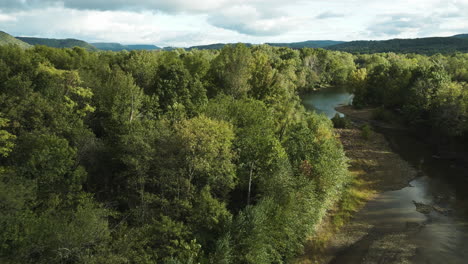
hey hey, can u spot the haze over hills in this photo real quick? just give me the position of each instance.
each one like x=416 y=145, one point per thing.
x=432 y=45
x=6 y=39
x=119 y=47
x=214 y=46
x=464 y=36
x=458 y=43
x=58 y=43
x=293 y=45
x=307 y=44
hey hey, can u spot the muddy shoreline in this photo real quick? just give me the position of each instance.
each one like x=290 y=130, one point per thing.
x=373 y=161
x=361 y=241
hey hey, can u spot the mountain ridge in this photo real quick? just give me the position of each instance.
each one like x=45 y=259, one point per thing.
x=58 y=43
x=114 y=46
x=430 y=45
x=7 y=39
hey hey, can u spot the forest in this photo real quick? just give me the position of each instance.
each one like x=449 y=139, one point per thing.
x=200 y=156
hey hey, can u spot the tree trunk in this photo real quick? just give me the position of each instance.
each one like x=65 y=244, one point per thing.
x=250 y=183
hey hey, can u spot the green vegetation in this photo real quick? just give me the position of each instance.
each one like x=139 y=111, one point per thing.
x=58 y=43
x=429 y=94
x=193 y=156
x=340 y=122
x=366 y=132
x=164 y=157
x=7 y=39
x=421 y=46
x=461 y=36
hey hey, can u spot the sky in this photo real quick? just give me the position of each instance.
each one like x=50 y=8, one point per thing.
x=184 y=23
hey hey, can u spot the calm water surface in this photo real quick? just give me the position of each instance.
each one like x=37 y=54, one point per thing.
x=325 y=100
x=440 y=236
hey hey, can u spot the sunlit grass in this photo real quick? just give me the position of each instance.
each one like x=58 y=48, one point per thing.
x=353 y=199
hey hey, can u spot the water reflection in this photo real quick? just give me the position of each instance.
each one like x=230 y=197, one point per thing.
x=444 y=237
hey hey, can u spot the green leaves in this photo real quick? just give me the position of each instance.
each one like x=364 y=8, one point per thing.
x=231 y=71
x=6 y=139
x=206 y=147
x=243 y=177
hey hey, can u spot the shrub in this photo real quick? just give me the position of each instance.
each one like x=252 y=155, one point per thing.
x=366 y=132
x=383 y=114
x=340 y=122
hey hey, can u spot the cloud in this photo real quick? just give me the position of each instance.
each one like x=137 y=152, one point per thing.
x=397 y=24
x=191 y=22
x=7 y=18
x=445 y=19
x=169 y=6
x=249 y=20
x=249 y=17
x=328 y=14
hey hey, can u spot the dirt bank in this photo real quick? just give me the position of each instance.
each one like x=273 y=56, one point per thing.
x=376 y=169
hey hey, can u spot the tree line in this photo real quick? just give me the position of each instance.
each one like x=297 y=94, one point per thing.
x=429 y=94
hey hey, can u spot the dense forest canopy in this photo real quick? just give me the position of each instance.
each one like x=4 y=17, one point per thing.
x=164 y=157
x=200 y=156
x=428 y=93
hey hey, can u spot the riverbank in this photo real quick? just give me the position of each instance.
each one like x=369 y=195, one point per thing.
x=375 y=169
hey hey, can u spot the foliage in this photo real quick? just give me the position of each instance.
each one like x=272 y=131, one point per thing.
x=427 y=46
x=197 y=156
x=165 y=157
x=7 y=39
x=429 y=93
x=366 y=132
x=340 y=122
x=58 y=43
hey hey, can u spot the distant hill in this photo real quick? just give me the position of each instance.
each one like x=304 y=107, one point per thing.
x=58 y=43
x=420 y=45
x=142 y=47
x=215 y=46
x=457 y=43
x=119 y=47
x=463 y=36
x=293 y=45
x=6 y=39
x=109 y=46
x=307 y=44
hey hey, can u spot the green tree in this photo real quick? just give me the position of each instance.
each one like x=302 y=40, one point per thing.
x=231 y=71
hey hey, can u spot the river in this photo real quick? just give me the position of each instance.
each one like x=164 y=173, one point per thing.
x=325 y=100
x=436 y=231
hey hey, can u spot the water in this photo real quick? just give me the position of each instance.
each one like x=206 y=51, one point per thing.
x=439 y=235
x=325 y=100
x=443 y=237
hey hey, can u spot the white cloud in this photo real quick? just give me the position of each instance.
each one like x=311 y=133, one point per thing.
x=189 y=22
x=6 y=18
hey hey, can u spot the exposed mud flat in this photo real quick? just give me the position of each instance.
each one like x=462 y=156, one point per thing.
x=363 y=240
x=417 y=215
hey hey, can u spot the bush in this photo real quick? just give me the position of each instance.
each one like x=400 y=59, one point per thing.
x=366 y=132
x=383 y=114
x=340 y=122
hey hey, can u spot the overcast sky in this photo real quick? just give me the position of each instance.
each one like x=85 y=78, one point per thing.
x=193 y=22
